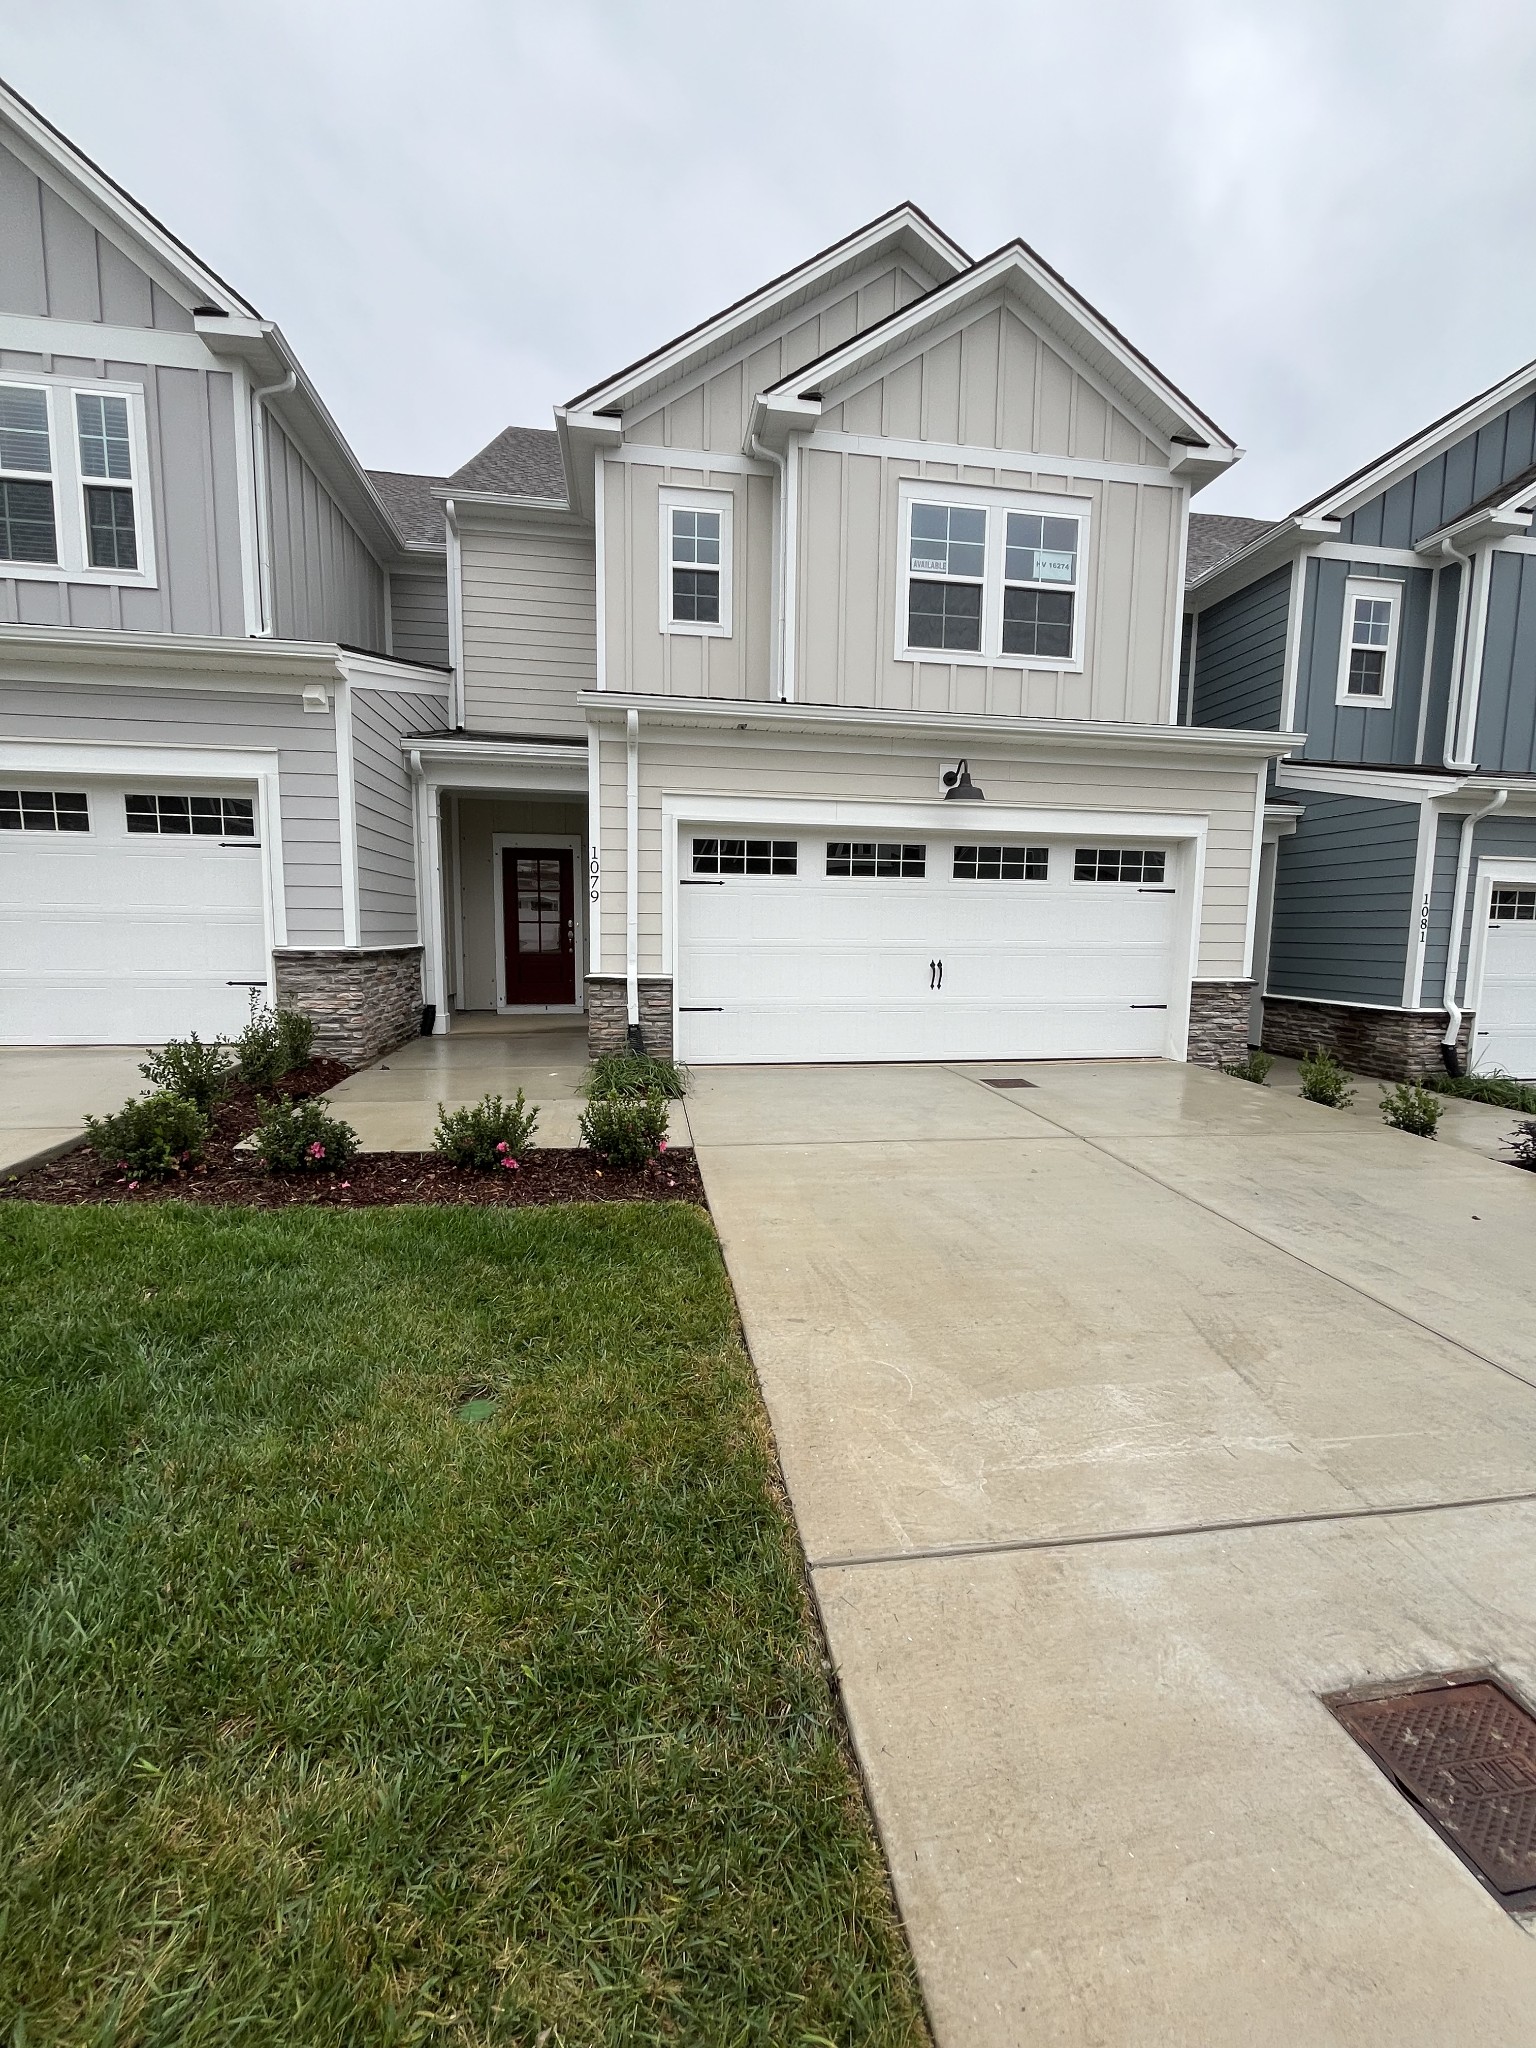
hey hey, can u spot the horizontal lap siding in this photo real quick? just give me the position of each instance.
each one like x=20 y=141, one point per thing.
x=529 y=629
x=306 y=750
x=386 y=835
x=418 y=611
x=813 y=767
x=1442 y=892
x=1240 y=656
x=325 y=583
x=1344 y=901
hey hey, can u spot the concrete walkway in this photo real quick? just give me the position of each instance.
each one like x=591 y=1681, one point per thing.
x=1124 y=1415
x=47 y=1091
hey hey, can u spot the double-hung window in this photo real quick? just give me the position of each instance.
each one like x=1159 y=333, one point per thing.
x=72 y=473
x=993 y=577
x=28 y=523
x=696 y=562
x=1368 y=653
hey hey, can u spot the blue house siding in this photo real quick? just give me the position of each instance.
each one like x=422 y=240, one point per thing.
x=1350 y=732
x=1440 y=663
x=1186 y=639
x=1240 y=656
x=1344 y=901
x=1505 y=739
x=1442 y=888
x=1443 y=489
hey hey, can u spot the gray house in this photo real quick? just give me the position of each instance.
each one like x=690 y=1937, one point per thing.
x=1393 y=621
x=807 y=691
x=202 y=786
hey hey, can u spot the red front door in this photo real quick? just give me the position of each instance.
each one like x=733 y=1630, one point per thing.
x=538 y=898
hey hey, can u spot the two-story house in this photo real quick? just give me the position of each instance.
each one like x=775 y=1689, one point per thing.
x=213 y=634
x=815 y=688
x=1393 y=620
x=808 y=692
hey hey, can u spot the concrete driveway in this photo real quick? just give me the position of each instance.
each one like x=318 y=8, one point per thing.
x=1124 y=1416
x=47 y=1091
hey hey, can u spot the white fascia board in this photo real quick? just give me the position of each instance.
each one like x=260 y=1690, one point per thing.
x=380 y=672
x=893 y=231
x=1380 y=783
x=1280 y=820
x=774 y=418
x=582 y=433
x=496 y=508
x=1201 y=742
x=477 y=765
x=1492 y=523
x=1053 y=305
x=112 y=211
x=1265 y=553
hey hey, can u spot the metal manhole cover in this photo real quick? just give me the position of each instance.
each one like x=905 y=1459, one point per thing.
x=1008 y=1084
x=1464 y=1751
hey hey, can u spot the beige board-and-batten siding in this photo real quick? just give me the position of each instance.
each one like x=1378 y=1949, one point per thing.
x=530 y=629
x=905 y=769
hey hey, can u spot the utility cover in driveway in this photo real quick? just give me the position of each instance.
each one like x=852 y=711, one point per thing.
x=1465 y=1754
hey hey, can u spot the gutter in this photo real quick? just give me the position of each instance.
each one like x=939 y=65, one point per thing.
x=1448 y=1050
x=264 y=593
x=455 y=616
x=632 y=876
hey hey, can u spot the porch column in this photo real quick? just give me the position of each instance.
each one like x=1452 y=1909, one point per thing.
x=429 y=833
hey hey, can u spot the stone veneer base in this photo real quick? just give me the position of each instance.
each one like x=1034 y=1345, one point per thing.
x=1218 y=1021
x=365 y=1000
x=608 y=1014
x=1392 y=1045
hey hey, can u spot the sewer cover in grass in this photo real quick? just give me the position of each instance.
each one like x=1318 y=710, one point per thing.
x=480 y=1409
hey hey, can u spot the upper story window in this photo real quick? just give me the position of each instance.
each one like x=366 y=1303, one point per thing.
x=1368 y=654
x=992 y=579
x=28 y=531
x=72 y=465
x=696 y=562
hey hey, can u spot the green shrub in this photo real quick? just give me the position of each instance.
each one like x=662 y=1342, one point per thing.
x=1409 y=1108
x=273 y=1043
x=1502 y=1090
x=1324 y=1080
x=300 y=1137
x=1254 y=1067
x=152 y=1136
x=1522 y=1142
x=626 y=1131
x=186 y=1067
x=491 y=1133
x=631 y=1076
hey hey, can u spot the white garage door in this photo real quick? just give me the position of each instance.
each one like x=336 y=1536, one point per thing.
x=806 y=947
x=1506 y=1020
x=129 y=912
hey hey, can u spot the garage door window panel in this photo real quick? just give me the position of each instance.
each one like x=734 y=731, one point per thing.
x=44 y=810
x=1120 y=864
x=745 y=856
x=876 y=860
x=1513 y=906
x=1002 y=863
x=189 y=817
x=28 y=526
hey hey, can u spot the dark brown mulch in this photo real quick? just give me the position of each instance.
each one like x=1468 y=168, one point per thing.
x=373 y=1178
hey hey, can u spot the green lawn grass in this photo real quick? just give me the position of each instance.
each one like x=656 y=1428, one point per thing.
x=329 y=1716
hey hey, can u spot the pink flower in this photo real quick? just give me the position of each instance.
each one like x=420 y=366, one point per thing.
x=661 y=1145
x=512 y=1163
x=503 y=1146
x=346 y=1183
x=317 y=1150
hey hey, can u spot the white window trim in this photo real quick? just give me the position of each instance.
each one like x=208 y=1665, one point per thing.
x=1377 y=587
x=670 y=499
x=73 y=565
x=997 y=505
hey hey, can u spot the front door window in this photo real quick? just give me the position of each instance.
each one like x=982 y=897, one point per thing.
x=539 y=917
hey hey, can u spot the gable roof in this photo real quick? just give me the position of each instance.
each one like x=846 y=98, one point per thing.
x=1058 y=309
x=905 y=228
x=408 y=499
x=522 y=462
x=1214 y=536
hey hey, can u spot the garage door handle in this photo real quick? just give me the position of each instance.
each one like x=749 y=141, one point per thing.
x=935 y=973
x=1149 y=1006
x=700 y=1009
x=1157 y=892
x=245 y=984
x=688 y=882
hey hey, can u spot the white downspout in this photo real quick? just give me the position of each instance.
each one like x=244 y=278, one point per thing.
x=455 y=617
x=263 y=514
x=776 y=660
x=632 y=868
x=1453 y=696
x=1458 y=910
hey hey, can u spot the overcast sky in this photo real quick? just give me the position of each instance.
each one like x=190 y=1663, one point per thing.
x=1316 y=216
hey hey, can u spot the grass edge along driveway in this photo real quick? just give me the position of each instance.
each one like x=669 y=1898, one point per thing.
x=333 y=1710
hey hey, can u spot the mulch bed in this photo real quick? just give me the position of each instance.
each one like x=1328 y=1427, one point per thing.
x=372 y=1180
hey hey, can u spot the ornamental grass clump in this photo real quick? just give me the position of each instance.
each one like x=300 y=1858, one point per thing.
x=1503 y=1091
x=632 y=1077
x=198 y=1073
x=1324 y=1080
x=1410 y=1108
x=302 y=1137
x=1254 y=1066
x=273 y=1043
x=626 y=1132
x=487 y=1134
x=150 y=1137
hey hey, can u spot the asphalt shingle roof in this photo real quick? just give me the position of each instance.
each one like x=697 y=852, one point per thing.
x=522 y=462
x=1213 y=536
x=408 y=499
